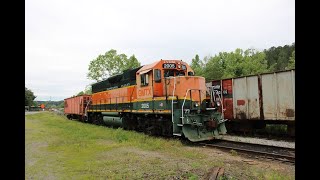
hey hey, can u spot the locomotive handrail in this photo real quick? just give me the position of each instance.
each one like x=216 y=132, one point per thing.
x=86 y=109
x=184 y=100
x=174 y=87
x=221 y=101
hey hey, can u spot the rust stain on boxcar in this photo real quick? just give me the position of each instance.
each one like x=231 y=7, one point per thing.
x=241 y=102
x=228 y=106
x=241 y=115
x=260 y=98
x=289 y=112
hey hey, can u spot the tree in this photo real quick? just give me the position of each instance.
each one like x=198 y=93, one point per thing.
x=61 y=105
x=110 y=64
x=242 y=63
x=292 y=61
x=254 y=62
x=214 y=67
x=132 y=63
x=278 y=57
x=29 y=97
x=197 y=65
x=88 y=89
x=80 y=93
x=234 y=64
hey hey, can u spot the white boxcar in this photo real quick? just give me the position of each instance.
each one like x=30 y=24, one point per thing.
x=268 y=97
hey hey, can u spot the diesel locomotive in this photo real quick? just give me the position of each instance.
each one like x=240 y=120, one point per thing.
x=163 y=98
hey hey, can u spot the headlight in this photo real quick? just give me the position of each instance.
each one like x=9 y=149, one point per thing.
x=218 y=103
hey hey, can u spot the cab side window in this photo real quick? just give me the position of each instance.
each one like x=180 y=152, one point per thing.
x=144 y=79
x=157 y=75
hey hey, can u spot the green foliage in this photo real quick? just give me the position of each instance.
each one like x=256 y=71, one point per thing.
x=132 y=63
x=233 y=152
x=278 y=57
x=192 y=176
x=80 y=93
x=197 y=65
x=120 y=136
x=224 y=177
x=292 y=61
x=244 y=62
x=255 y=62
x=110 y=64
x=214 y=67
x=88 y=89
x=234 y=64
x=28 y=97
x=61 y=105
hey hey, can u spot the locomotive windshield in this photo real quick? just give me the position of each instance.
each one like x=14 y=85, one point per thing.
x=168 y=73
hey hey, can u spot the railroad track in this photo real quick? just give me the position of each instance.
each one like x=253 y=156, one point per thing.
x=265 y=151
x=280 y=137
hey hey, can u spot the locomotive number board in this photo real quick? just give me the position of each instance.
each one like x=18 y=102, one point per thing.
x=169 y=65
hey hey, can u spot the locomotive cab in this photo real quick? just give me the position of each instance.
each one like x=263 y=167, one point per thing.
x=151 y=79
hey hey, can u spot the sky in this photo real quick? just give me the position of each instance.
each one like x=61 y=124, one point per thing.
x=63 y=36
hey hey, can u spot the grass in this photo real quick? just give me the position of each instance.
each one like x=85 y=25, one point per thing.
x=57 y=148
x=233 y=152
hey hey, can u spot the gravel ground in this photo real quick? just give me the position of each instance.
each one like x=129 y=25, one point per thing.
x=259 y=141
x=255 y=147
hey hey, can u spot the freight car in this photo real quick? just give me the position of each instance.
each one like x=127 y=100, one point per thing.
x=35 y=108
x=251 y=102
x=162 y=98
x=75 y=107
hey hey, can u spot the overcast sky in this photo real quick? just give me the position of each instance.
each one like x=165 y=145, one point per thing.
x=63 y=36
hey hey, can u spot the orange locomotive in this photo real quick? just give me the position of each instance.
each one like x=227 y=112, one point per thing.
x=163 y=98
